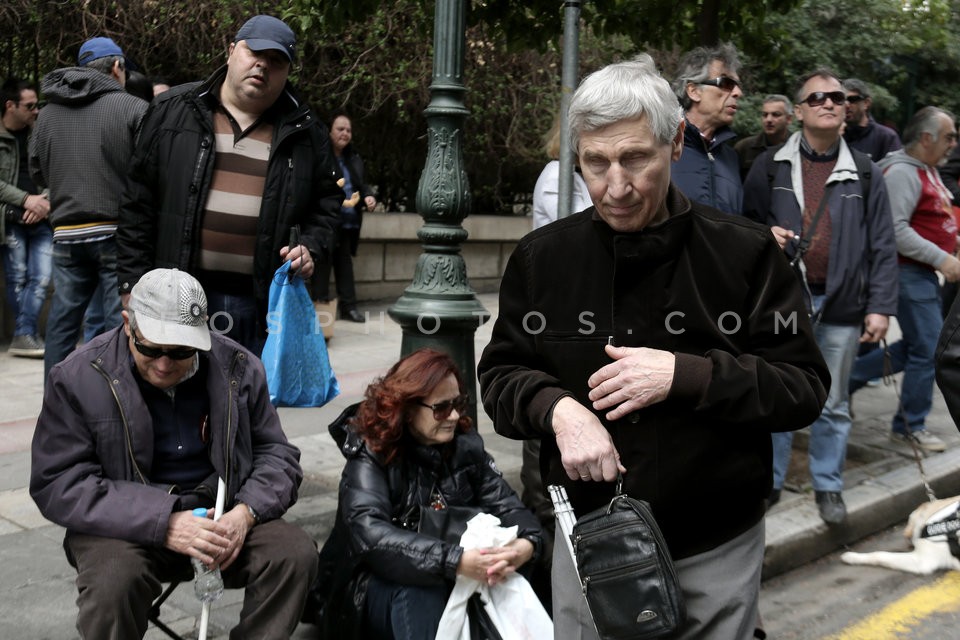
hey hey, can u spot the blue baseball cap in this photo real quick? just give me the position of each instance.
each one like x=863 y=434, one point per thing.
x=96 y=48
x=263 y=33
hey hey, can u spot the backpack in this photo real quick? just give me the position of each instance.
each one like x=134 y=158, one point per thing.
x=862 y=160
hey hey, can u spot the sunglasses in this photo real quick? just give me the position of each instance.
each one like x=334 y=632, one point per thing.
x=819 y=98
x=723 y=82
x=29 y=106
x=855 y=99
x=442 y=410
x=179 y=353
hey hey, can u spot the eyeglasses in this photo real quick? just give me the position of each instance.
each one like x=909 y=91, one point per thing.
x=725 y=83
x=442 y=410
x=854 y=99
x=29 y=106
x=179 y=353
x=819 y=98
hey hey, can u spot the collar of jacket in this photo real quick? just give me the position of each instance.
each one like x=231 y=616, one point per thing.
x=692 y=137
x=678 y=205
x=286 y=109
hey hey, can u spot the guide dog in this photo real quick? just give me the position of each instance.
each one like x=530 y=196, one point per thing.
x=932 y=528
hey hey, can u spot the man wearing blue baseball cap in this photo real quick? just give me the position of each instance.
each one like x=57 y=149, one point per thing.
x=80 y=149
x=224 y=169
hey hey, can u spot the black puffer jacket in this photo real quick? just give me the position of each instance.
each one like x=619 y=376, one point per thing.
x=378 y=514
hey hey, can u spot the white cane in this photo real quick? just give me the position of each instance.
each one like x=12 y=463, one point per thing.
x=217 y=512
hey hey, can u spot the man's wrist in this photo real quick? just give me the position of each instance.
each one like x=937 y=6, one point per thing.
x=253 y=514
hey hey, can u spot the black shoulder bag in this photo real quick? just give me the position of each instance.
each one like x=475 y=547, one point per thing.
x=626 y=571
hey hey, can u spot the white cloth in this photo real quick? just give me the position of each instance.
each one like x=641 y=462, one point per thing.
x=546 y=195
x=512 y=605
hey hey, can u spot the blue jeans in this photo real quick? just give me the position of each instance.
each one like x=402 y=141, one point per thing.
x=404 y=611
x=918 y=313
x=78 y=269
x=27 y=264
x=236 y=318
x=828 y=434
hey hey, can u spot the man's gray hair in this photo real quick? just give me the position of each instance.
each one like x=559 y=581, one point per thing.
x=855 y=84
x=105 y=64
x=624 y=91
x=926 y=120
x=822 y=72
x=777 y=97
x=695 y=68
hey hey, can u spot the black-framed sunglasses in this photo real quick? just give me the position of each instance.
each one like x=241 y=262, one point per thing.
x=854 y=99
x=178 y=353
x=442 y=410
x=819 y=98
x=725 y=83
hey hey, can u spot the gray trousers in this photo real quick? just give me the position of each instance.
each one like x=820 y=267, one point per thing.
x=721 y=588
x=118 y=580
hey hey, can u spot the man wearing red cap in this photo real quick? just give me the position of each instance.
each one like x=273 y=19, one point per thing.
x=224 y=169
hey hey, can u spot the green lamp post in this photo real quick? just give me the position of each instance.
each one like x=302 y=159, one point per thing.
x=439 y=309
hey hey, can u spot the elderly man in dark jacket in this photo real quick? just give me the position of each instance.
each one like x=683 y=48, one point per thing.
x=137 y=427
x=664 y=356
x=224 y=170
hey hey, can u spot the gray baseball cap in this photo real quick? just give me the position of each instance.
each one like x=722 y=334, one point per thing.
x=263 y=33
x=170 y=308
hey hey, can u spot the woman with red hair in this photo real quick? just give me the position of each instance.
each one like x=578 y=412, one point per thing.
x=408 y=445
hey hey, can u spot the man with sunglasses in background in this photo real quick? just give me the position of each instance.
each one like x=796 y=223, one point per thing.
x=27 y=235
x=136 y=428
x=708 y=87
x=818 y=203
x=863 y=133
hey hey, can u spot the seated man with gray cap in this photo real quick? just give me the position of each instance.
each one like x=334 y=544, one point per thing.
x=135 y=430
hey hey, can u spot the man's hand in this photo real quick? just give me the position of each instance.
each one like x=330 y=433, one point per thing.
x=35 y=209
x=586 y=448
x=875 y=327
x=638 y=378
x=782 y=236
x=213 y=543
x=950 y=268
x=300 y=256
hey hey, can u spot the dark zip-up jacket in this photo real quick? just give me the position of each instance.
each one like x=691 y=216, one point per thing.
x=162 y=208
x=709 y=173
x=711 y=288
x=862 y=275
x=93 y=444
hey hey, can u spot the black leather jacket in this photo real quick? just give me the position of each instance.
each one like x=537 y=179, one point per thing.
x=379 y=509
x=162 y=208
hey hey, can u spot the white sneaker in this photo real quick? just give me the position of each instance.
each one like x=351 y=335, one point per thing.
x=923 y=439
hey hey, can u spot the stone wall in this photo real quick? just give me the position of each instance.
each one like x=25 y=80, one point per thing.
x=389 y=249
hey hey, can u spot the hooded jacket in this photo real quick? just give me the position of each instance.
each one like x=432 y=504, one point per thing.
x=709 y=173
x=171 y=175
x=93 y=444
x=921 y=205
x=711 y=288
x=82 y=143
x=862 y=272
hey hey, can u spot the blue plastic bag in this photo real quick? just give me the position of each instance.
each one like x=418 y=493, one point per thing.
x=295 y=354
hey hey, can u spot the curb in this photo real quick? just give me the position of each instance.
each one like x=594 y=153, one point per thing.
x=795 y=534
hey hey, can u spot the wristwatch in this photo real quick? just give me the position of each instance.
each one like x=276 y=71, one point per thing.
x=253 y=514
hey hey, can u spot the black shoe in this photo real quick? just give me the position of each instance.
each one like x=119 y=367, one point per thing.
x=830 y=504
x=351 y=314
x=773 y=498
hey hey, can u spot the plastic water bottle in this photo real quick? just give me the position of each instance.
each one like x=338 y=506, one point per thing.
x=208 y=584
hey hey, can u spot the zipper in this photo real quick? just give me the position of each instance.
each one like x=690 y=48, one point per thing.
x=616 y=572
x=226 y=443
x=123 y=418
x=603 y=533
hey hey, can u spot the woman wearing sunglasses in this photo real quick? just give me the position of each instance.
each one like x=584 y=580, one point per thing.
x=410 y=445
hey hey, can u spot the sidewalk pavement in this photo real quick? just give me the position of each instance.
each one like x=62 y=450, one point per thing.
x=37 y=592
